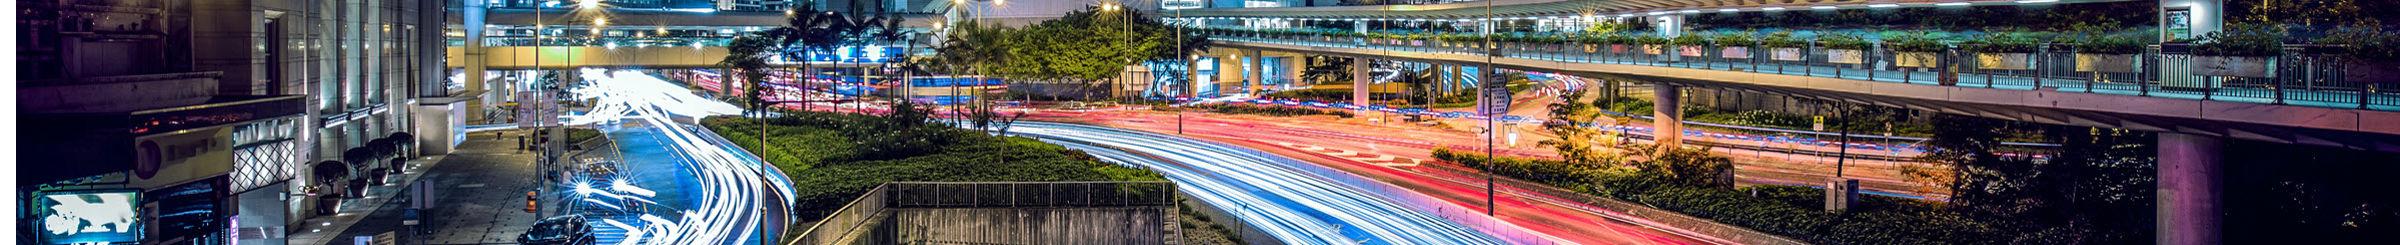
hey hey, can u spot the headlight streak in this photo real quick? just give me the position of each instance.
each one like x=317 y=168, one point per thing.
x=729 y=183
x=1312 y=207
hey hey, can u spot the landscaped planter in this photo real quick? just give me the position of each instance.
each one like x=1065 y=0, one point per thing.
x=2386 y=73
x=1845 y=56
x=1591 y=48
x=1734 y=52
x=1788 y=54
x=2003 y=61
x=2118 y=63
x=1689 y=50
x=1913 y=59
x=2231 y=66
x=1619 y=48
x=1653 y=49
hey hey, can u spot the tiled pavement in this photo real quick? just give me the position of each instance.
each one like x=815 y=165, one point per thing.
x=480 y=189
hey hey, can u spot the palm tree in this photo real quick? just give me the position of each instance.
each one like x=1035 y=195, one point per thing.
x=893 y=30
x=747 y=56
x=808 y=30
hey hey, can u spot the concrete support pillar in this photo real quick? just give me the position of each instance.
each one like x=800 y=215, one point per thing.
x=2203 y=16
x=1667 y=121
x=473 y=15
x=1669 y=26
x=1255 y=72
x=1191 y=81
x=1360 y=78
x=2189 y=210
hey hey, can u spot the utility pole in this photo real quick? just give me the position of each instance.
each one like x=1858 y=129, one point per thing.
x=1491 y=135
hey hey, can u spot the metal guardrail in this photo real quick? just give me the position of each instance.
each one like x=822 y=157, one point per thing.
x=845 y=224
x=2297 y=77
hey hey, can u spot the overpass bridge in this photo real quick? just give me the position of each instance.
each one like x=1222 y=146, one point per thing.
x=2329 y=115
x=2191 y=114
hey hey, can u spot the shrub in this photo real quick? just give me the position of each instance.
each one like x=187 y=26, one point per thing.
x=2242 y=39
x=2005 y=42
x=2108 y=44
x=2369 y=42
x=822 y=155
x=1689 y=40
x=1842 y=41
x=1912 y=42
x=1782 y=39
x=1650 y=40
x=1736 y=39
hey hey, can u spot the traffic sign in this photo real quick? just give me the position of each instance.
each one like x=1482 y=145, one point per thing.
x=1820 y=123
x=1494 y=100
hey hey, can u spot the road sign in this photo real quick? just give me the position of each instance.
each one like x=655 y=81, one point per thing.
x=1820 y=123
x=1494 y=100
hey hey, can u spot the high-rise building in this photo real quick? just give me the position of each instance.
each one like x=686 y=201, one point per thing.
x=208 y=122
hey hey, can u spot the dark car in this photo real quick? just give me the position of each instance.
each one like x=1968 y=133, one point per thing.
x=561 y=230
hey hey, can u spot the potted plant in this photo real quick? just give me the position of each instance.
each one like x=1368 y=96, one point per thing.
x=1591 y=43
x=2003 y=51
x=1913 y=49
x=1783 y=46
x=1689 y=45
x=1735 y=45
x=1652 y=45
x=2369 y=54
x=1618 y=42
x=1843 y=48
x=2241 y=50
x=2106 y=53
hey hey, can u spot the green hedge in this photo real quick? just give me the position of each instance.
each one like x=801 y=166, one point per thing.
x=829 y=165
x=1269 y=110
x=1790 y=211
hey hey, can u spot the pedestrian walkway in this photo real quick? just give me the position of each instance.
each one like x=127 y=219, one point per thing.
x=479 y=190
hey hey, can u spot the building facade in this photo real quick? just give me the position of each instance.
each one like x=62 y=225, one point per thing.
x=205 y=122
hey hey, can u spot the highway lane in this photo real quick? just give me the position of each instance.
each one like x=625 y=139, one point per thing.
x=742 y=202
x=1299 y=206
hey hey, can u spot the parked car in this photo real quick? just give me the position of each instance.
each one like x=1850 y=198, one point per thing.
x=561 y=230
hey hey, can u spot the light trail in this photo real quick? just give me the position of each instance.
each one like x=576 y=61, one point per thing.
x=1292 y=205
x=733 y=186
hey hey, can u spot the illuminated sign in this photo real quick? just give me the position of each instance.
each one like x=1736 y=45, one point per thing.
x=89 y=217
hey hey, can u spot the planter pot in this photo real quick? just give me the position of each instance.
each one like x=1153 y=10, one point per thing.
x=1734 y=52
x=1591 y=48
x=1787 y=54
x=1845 y=56
x=2231 y=66
x=1619 y=48
x=1652 y=49
x=2003 y=61
x=1914 y=59
x=2118 y=63
x=2386 y=73
x=1416 y=42
x=1689 y=50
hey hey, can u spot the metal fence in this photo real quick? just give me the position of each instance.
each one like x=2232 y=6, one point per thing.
x=2302 y=76
x=1029 y=194
x=863 y=212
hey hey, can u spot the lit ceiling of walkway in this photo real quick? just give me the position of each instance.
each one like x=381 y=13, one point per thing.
x=1587 y=8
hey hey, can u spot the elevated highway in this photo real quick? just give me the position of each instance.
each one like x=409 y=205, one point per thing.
x=2057 y=102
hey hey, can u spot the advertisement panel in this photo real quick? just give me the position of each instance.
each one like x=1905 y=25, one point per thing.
x=91 y=216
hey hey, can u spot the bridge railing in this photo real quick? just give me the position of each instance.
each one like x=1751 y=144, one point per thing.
x=2301 y=76
x=849 y=221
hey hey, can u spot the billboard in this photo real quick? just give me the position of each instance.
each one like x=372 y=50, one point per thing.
x=104 y=216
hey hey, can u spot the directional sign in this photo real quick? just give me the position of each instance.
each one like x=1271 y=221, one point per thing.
x=1494 y=100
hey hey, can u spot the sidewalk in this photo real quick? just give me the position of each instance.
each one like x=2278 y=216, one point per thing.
x=481 y=190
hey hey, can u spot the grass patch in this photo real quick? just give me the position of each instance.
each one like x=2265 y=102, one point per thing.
x=833 y=159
